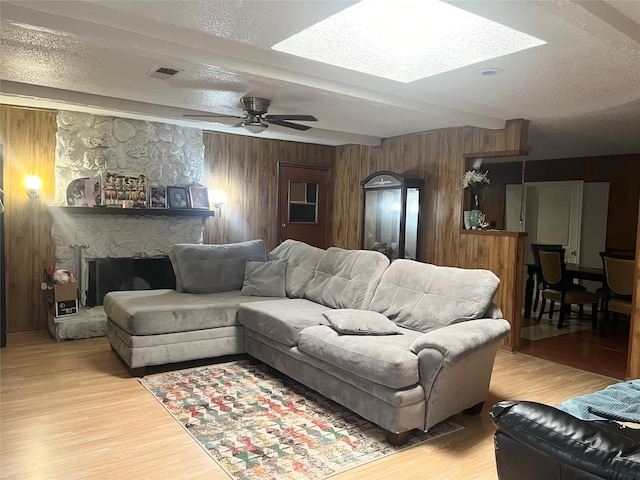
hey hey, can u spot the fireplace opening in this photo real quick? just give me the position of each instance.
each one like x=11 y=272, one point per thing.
x=110 y=274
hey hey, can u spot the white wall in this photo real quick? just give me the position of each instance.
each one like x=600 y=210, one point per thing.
x=595 y=204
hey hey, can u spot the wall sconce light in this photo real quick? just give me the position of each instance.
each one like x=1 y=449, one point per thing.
x=33 y=184
x=218 y=197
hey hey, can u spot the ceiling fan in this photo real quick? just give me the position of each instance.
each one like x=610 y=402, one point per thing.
x=255 y=117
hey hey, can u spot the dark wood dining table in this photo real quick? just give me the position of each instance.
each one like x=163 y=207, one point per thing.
x=580 y=272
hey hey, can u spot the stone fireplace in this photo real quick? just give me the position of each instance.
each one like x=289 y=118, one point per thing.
x=90 y=145
x=84 y=238
x=110 y=274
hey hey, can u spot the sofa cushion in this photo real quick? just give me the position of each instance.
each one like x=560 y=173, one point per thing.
x=302 y=260
x=346 y=278
x=152 y=312
x=386 y=360
x=265 y=279
x=213 y=268
x=351 y=321
x=282 y=320
x=422 y=297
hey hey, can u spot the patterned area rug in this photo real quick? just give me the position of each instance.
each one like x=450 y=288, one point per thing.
x=257 y=424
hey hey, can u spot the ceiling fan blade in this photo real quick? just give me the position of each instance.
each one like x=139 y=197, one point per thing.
x=308 y=118
x=284 y=123
x=211 y=115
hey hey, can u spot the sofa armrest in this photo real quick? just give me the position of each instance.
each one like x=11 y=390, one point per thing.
x=457 y=341
x=603 y=448
x=455 y=364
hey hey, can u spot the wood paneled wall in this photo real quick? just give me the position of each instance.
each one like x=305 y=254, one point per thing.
x=436 y=157
x=439 y=159
x=503 y=254
x=246 y=168
x=29 y=139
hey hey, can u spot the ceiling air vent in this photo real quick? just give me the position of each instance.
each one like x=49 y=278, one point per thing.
x=163 y=73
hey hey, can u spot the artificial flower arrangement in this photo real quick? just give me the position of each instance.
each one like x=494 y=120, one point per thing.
x=476 y=181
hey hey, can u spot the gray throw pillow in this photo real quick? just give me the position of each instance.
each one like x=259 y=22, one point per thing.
x=264 y=279
x=349 y=321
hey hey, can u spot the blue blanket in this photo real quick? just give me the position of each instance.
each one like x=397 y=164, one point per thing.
x=620 y=401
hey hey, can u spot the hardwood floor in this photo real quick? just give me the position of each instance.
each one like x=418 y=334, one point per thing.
x=69 y=410
x=586 y=349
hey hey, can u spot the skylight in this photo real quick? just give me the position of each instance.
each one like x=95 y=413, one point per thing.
x=405 y=40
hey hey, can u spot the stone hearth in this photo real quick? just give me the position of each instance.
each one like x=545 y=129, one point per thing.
x=89 y=322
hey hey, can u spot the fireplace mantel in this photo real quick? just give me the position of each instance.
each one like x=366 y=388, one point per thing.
x=182 y=212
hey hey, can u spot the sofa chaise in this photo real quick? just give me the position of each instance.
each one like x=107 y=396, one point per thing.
x=403 y=344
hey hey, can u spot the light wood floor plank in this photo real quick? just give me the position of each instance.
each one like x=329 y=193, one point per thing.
x=69 y=410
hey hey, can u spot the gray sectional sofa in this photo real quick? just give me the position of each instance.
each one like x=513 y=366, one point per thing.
x=403 y=344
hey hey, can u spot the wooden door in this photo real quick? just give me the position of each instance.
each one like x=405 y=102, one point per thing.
x=303 y=203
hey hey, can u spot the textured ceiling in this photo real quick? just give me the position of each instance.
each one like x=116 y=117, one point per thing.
x=580 y=91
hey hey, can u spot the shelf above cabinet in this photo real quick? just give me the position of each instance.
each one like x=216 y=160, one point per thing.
x=180 y=212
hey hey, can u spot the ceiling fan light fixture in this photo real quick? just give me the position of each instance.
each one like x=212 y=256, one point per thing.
x=255 y=126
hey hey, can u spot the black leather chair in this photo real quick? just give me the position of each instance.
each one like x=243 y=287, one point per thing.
x=534 y=441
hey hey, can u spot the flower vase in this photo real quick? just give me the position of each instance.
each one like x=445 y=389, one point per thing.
x=474 y=220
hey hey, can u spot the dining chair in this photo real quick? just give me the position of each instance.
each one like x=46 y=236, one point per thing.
x=618 y=274
x=619 y=252
x=539 y=285
x=558 y=288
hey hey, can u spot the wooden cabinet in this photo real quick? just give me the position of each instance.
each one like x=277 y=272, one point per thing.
x=391 y=214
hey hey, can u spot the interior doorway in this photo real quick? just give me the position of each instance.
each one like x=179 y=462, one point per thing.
x=552 y=214
x=548 y=211
x=303 y=203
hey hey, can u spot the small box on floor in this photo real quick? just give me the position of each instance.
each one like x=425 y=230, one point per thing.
x=66 y=299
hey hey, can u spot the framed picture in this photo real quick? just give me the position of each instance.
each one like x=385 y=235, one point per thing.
x=178 y=197
x=84 y=192
x=199 y=196
x=158 y=197
x=118 y=187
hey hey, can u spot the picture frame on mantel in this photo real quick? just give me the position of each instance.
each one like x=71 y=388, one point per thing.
x=178 y=197
x=199 y=197
x=84 y=192
x=158 y=197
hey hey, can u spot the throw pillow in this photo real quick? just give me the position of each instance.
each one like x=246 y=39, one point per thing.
x=349 y=321
x=264 y=279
